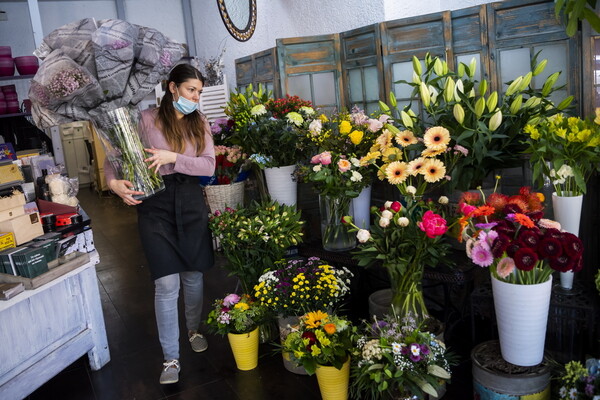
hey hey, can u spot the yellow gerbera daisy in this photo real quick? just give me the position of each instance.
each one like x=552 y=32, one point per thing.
x=384 y=141
x=432 y=152
x=370 y=158
x=381 y=172
x=396 y=172
x=391 y=154
x=314 y=319
x=415 y=167
x=436 y=138
x=434 y=170
x=406 y=138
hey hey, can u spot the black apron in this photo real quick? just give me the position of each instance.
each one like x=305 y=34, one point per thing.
x=173 y=226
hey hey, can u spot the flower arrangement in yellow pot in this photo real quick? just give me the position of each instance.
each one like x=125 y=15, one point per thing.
x=235 y=314
x=321 y=339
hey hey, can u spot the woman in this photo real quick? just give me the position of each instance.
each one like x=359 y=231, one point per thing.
x=173 y=224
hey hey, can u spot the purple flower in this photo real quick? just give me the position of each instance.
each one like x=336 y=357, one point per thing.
x=481 y=255
x=415 y=352
x=231 y=299
x=486 y=226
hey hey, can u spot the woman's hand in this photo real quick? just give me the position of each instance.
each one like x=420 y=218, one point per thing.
x=124 y=189
x=160 y=158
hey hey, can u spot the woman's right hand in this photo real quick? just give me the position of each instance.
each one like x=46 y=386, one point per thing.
x=124 y=189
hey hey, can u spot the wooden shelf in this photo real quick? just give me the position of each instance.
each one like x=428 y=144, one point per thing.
x=15 y=77
x=15 y=115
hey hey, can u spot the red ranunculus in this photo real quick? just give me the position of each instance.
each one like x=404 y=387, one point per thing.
x=529 y=238
x=500 y=244
x=312 y=339
x=550 y=248
x=572 y=245
x=562 y=263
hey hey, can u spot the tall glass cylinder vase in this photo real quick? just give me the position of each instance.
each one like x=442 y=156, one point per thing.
x=118 y=132
x=334 y=232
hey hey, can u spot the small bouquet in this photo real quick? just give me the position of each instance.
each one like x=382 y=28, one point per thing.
x=394 y=357
x=230 y=163
x=222 y=129
x=320 y=339
x=235 y=314
x=296 y=286
x=565 y=150
x=510 y=235
x=253 y=238
x=581 y=382
x=336 y=175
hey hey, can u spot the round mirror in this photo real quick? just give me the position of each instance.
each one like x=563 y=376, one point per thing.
x=239 y=17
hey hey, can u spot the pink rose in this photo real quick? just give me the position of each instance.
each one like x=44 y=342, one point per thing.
x=375 y=125
x=325 y=158
x=344 y=165
x=316 y=159
x=433 y=224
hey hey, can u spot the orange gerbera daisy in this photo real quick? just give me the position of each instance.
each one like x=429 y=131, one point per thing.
x=524 y=220
x=406 y=138
x=483 y=211
x=329 y=328
x=434 y=170
x=396 y=172
x=436 y=138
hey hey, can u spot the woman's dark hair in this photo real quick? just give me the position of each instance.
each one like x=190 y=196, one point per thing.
x=193 y=126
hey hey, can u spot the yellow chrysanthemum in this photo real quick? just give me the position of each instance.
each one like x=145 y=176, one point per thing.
x=406 y=138
x=433 y=170
x=415 y=167
x=345 y=127
x=392 y=154
x=436 y=138
x=356 y=137
x=241 y=305
x=396 y=172
x=314 y=319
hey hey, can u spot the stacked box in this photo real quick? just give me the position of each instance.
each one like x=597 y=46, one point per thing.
x=7 y=261
x=31 y=262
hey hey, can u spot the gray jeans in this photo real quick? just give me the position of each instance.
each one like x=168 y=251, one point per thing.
x=165 y=306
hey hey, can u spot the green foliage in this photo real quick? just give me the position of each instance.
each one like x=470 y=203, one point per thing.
x=490 y=125
x=577 y=10
x=254 y=238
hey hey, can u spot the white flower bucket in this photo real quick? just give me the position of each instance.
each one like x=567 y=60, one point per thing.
x=567 y=211
x=522 y=317
x=361 y=208
x=281 y=185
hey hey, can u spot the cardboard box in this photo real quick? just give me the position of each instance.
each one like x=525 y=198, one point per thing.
x=14 y=200
x=10 y=173
x=11 y=213
x=7 y=240
x=24 y=227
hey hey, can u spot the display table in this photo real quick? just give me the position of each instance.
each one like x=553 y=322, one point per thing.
x=43 y=331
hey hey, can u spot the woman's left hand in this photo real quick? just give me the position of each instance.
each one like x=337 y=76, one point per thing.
x=160 y=157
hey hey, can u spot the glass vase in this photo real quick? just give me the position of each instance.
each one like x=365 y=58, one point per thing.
x=118 y=132
x=334 y=232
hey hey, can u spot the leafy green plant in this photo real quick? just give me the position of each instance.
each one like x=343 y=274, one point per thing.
x=575 y=11
x=254 y=238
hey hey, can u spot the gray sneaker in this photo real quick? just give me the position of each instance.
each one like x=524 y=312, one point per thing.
x=170 y=372
x=198 y=342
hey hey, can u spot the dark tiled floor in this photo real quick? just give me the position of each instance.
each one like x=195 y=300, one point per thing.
x=127 y=299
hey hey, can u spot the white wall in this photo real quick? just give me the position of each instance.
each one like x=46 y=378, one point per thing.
x=166 y=16
x=55 y=14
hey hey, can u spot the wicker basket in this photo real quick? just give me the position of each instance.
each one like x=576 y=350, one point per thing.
x=220 y=196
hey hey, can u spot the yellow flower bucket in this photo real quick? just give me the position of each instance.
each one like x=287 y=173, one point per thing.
x=333 y=382
x=245 y=349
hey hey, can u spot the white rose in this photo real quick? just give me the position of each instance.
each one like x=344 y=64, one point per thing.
x=355 y=161
x=317 y=168
x=443 y=200
x=411 y=190
x=387 y=214
x=356 y=176
x=384 y=222
x=387 y=204
x=363 y=235
x=315 y=127
x=403 y=221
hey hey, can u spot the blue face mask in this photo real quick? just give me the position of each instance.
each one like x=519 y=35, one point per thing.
x=184 y=105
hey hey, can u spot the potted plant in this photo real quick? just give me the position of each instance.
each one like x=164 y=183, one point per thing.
x=487 y=126
x=579 y=382
x=265 y=128
x=566 y=151
x=255 y=237
x=404 y=239
x=395 y=358
x=322 y=344
x=294 y=287
x=238 y=317
x=509 y=235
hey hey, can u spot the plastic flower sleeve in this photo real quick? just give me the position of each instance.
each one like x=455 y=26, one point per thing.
x=118 y=131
